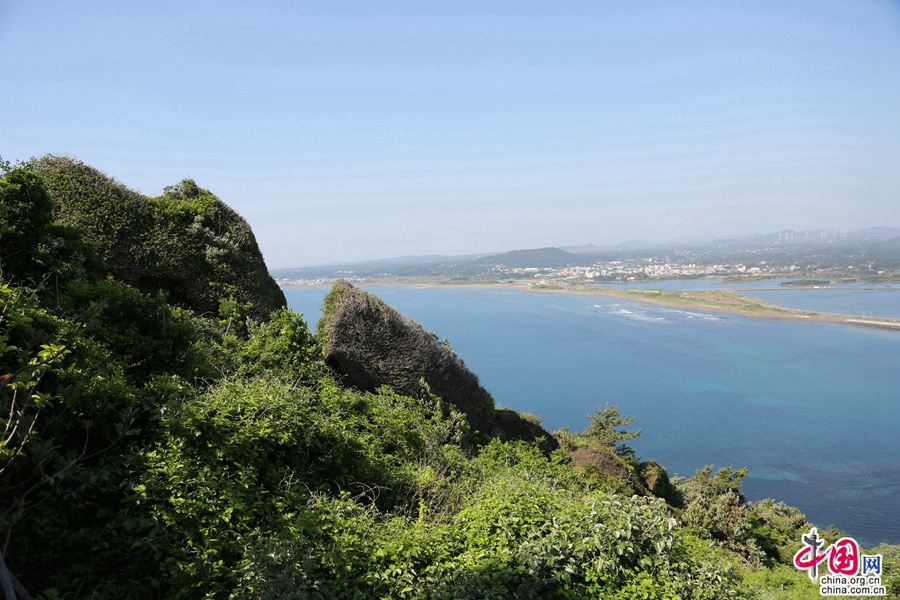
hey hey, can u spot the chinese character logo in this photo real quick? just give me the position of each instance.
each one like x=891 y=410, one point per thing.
x=844 y=559
x=808 y=558
x=842 y=556
x=844 y=562
x=871 y=565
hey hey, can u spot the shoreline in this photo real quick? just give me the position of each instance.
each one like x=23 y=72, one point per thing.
x=757 y=309
x=729 y=301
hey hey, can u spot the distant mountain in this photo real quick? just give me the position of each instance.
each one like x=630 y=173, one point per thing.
x=816 y=236
x=877 y=233
x=428 y=265
x=540 y=257
x=627 y=244
x=582 y=248
x=411 y=265
x=413 y=259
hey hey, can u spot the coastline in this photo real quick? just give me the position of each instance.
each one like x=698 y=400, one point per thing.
x=725 y=301
x=731 y=302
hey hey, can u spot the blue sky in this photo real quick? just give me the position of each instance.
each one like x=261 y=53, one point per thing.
x=355 y=130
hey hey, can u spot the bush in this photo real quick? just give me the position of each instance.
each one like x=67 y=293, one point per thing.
x=34 y=248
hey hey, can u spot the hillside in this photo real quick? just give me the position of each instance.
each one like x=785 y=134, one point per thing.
x=170 y=437
x=186 y=242
x=539 y=257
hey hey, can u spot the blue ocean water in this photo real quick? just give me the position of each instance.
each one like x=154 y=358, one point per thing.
x=813 y=409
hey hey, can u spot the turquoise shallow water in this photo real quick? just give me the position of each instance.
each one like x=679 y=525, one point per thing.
x=813 y=409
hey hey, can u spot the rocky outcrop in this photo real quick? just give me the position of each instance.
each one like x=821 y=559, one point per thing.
x=370 y=344
x=510 y=425
x=186 y=242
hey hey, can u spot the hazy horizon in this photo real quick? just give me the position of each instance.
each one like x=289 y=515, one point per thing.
x=354 y=131
x=637 y=243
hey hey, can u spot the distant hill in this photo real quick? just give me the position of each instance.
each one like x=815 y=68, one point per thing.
x=878 y=232
x=478 y=265
x=581 y=248
x=419 y=264
x=540 y=257
x=814 y=236
x=631 y=244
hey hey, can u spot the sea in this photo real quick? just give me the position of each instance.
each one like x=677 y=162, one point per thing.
x=812 y=409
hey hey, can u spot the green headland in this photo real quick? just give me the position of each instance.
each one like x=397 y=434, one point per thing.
x=172 y=430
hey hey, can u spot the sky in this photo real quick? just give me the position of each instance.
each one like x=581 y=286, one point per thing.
x=346 y=131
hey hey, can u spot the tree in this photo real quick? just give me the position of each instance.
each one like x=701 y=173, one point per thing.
x=603 y=429
x=716 y=510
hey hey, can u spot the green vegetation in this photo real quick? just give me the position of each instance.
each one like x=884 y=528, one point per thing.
x=187 y=242
x=172 y=431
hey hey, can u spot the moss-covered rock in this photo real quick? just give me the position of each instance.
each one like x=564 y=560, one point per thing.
x=603 y=460
x=371 y=344
x=656 y=479
x=511 y=425
x=186 y=242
